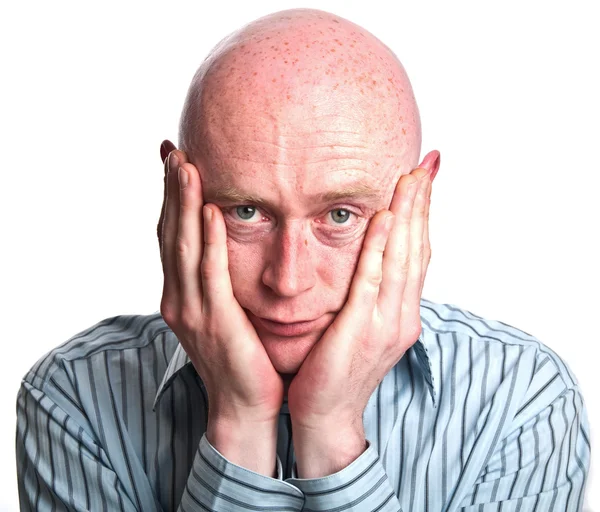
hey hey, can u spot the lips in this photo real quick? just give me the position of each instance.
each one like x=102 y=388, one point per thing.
x=287 y=329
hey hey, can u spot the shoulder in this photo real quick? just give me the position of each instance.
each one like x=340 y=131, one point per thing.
x=116 y=335
x=449 y=324
x=491 y=364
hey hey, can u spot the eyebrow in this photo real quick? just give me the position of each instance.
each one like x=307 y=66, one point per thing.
x=354 y=191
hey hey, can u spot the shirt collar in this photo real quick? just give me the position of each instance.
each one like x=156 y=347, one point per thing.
x=180 y=360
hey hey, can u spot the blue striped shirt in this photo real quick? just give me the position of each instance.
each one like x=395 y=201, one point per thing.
x=477 y=416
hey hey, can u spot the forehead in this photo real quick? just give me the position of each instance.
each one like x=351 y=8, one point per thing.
x=290 y=118
x=294 y=156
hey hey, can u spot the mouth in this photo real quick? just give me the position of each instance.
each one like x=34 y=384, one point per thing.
x=287 y=329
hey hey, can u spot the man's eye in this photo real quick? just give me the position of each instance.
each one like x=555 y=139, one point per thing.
x=338 y=218
x=245 y=212
x=250 y=214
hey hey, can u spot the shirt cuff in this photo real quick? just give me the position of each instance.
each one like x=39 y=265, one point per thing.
x=218 y=484
x=362 y=485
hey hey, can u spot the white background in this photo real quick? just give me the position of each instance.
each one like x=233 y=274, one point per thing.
x=507 y=92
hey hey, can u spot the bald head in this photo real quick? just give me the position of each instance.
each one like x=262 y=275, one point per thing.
x=298 y=75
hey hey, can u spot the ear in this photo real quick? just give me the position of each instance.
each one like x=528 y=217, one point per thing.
x=431 y=162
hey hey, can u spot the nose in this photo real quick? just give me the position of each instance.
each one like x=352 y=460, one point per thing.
x=290 y=269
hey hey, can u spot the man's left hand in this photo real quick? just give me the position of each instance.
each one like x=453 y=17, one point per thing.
x=380 y=321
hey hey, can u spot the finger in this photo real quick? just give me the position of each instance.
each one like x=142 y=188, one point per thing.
x=216 y=281
x=169 y=229
x=172 y=161
x=189 y=236
x=431 y=162
x=411 y=299
x=364 y=289
x=396 y=259
x=426 y=244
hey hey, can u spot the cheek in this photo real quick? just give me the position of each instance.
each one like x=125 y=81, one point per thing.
x=245 y=268
x=337 y=265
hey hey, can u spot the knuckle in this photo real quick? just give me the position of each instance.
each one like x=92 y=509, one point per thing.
x=391 y=345
x=427 y=253
x=168 y=313
x=207 y=269
x=181 y=247
x=415 y=332
x=374 y=278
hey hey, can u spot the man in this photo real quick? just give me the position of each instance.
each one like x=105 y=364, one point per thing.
x=295 y=365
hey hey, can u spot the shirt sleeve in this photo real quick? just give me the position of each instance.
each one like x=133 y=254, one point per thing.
x=542 y=463
x=59 y=466
x=215 y=483
x=362 y=485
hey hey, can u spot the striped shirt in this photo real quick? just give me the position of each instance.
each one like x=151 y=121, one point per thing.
x=477 y=416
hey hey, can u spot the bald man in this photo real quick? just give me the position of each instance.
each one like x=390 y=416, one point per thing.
x=294 y=364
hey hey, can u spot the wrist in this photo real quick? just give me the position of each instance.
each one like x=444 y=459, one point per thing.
x=322 y=452
x=250 y=445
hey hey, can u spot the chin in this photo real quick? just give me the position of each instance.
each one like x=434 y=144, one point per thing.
x=288 y=354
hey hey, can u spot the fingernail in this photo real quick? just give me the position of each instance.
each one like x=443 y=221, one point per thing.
x=435 y=167
x=171 y=163
x=207 y=212
x=183 y=178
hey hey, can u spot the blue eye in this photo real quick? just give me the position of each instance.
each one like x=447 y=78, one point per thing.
x=245 y=212
x=343 y=217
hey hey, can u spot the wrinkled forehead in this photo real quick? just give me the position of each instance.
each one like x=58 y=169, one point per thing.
x=334 y=113
x=310 y=123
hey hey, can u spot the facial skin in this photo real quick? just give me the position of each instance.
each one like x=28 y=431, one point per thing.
x=297 y=104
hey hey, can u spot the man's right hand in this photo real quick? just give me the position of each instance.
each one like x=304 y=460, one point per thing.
x=245 y=391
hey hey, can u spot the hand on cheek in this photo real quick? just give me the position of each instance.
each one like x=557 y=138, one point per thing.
x=379 y=322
